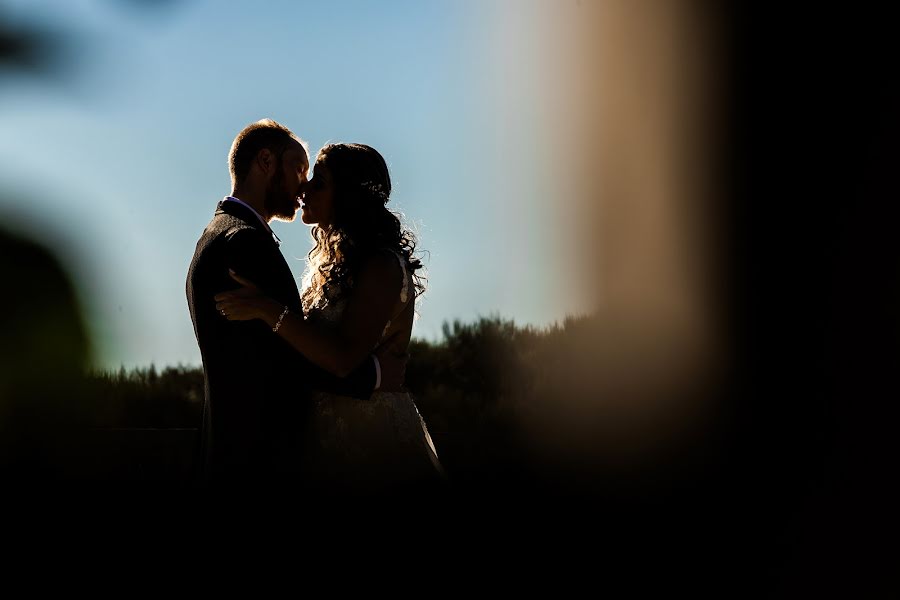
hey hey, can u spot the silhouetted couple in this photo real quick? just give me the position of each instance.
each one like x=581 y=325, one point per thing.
x=304 y=387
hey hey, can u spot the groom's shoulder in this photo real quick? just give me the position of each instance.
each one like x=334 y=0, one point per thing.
x=227 y=235
x=232 y=229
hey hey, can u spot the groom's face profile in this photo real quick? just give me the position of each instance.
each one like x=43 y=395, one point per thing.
x=286 y=183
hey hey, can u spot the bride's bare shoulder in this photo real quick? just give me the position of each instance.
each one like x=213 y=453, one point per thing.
x=383 y=268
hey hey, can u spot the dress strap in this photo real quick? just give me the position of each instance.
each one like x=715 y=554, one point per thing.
x=404 y=291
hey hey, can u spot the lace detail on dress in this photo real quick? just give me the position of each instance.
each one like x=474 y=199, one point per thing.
x=374 y=443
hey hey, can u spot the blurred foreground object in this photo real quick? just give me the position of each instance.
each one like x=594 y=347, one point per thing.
x=44 y=353
x=631 y=89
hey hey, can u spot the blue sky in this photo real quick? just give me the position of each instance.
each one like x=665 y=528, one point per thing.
x=118 y=161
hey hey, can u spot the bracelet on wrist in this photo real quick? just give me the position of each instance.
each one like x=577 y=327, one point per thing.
x=280 y=319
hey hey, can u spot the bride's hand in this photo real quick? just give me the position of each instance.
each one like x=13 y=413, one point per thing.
x=246 y=303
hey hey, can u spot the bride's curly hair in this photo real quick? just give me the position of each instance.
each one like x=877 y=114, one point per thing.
x=363 y=225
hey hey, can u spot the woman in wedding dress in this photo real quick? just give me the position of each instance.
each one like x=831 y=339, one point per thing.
x=358 y=294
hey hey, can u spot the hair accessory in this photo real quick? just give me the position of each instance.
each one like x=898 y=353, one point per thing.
x=376 y=189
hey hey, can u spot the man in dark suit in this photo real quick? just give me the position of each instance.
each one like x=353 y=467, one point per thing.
x=257 y=387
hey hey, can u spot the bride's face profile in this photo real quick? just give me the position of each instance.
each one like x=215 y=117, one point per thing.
x=318 y=203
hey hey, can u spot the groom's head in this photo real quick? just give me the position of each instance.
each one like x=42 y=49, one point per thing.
x=266 y=158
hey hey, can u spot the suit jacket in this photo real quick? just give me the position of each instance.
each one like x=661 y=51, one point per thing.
x=257 y=387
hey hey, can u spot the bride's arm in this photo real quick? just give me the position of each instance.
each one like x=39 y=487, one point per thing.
x=338 y=351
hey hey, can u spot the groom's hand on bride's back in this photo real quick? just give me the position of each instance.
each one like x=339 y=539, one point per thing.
x=393 y=368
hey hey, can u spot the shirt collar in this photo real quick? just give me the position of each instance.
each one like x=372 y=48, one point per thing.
x=258 y=216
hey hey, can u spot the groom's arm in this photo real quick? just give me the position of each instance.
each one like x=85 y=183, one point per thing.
x=360 y=383
x=390 y=374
